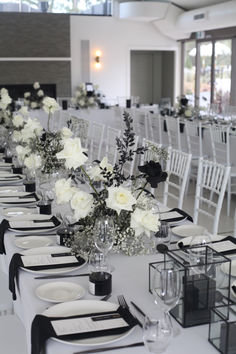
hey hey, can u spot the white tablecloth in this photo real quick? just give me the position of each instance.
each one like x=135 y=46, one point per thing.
x=130 y=278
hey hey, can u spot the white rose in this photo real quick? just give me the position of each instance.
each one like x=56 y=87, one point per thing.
x=36 y=85
x=18 y=121
x=16 y=136
x=120 y=198
x=144 y=221
x=26 y=94
x=82 y=204
x=22 y=152
x=5 y=100
x=34 y=105
x=82 y=86
x=33 y=162
x=91 y=100
x=40 y=93
x=63 y=190
x=3 y=91
x=66 y=133
x=81 y=103
x=24 y=110
x=50 y=105
x=188 y=113
x=77 y=94
x=35 y=126
x=95 y=172
x=73 y=153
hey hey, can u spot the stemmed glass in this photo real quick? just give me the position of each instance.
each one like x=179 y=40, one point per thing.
x=156 y=334
x=104 y=238
x=167 y=286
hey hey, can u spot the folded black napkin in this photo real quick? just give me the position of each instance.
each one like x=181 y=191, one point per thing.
x=3 y=228
x=53 y=219
x=42 y=328
x=183 y=216
x=30 y=195
x=16 y=263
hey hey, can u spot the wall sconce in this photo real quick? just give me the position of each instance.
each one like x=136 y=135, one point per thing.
x=98 y=59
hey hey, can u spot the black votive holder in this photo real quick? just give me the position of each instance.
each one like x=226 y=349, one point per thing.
x=7 y=159
x=199 y=283
x=45 y=208
x=100 y=283
x=30 y=186
x=63 y=235
x=128 y=103
x=17 y=170
x=222 y=328
x=64 y=105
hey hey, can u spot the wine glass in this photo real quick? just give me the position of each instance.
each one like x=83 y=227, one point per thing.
x=200 y=256
x=167 y=287
x=104 y=238
x=157 y=334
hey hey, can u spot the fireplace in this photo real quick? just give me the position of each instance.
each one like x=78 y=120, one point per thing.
x=17 y=90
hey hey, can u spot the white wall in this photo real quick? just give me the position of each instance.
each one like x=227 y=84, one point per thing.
x=115 y=38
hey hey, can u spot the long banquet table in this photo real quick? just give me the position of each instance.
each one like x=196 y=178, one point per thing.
x=130 y=278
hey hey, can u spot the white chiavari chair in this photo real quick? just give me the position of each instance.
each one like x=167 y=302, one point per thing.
x=95 y=140
x=173 y=131
x=111 y=148
x=129 y=166
x=80 y=129
x=212 y=179
x=177 y=167
x=155 y=128
x=140 y=123
x=235 y=222
x=220 y=141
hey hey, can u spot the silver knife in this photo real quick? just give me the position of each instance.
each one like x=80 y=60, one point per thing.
x=63 y=276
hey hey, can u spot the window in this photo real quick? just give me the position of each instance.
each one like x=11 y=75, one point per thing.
x=83 y=7
x=189 y=70
x=207 y=71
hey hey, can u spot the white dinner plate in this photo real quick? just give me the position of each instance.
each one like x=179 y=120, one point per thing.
x=50 y=250
x=225 y=268
x=82 y=307
x=36 y=228
x=12 y=212
x=60 y=291
x=197 y=239
x=13 y=199
x=11 y=189
x=32 y=242
x=188 y=230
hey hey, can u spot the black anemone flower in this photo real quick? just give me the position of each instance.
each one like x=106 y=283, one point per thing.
x=184 y=101
x=153 y=173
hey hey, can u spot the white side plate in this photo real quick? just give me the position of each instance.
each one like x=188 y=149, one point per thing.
x=60 y=291
x=32 y=242
x=188 y=230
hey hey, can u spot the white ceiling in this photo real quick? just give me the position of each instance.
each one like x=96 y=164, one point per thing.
x=196 y=4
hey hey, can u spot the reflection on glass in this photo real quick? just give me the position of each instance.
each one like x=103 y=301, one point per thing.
x=222 y=83
x=189 y=70
x=205 y=73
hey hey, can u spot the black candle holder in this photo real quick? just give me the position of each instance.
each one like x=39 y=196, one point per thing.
x=222 y=328
x=199 y=284
x=30 y=185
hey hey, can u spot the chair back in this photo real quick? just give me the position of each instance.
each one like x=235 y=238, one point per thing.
x=220 y=143
x=210 y=189
x=111 y=148
x=177 y=167
x=173 y=131
x=95 y=141
x=155 y=128
x=194 y=138
x=80 y=128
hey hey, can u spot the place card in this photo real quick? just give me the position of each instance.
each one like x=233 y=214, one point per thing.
x=47 y=260
x=22 y=224
x=88 y=324
x=223 y=246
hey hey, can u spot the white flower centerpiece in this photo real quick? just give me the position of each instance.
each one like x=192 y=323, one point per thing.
x=34 y=98
x=82 y=99
x=133 y=209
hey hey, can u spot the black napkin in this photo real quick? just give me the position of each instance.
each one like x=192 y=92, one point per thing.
x=53 y=219
x=42 y=328
x=3 y=228
x=30 y=195
x=181 y=212
x=16 y=263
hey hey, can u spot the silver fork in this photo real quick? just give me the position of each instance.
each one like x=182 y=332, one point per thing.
x=122 y=302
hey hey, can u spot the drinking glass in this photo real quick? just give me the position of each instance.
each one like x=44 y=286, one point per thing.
x=200 y=256
x=163 y=235
x=104 y=238
x=157 y=334
x=167 y=288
